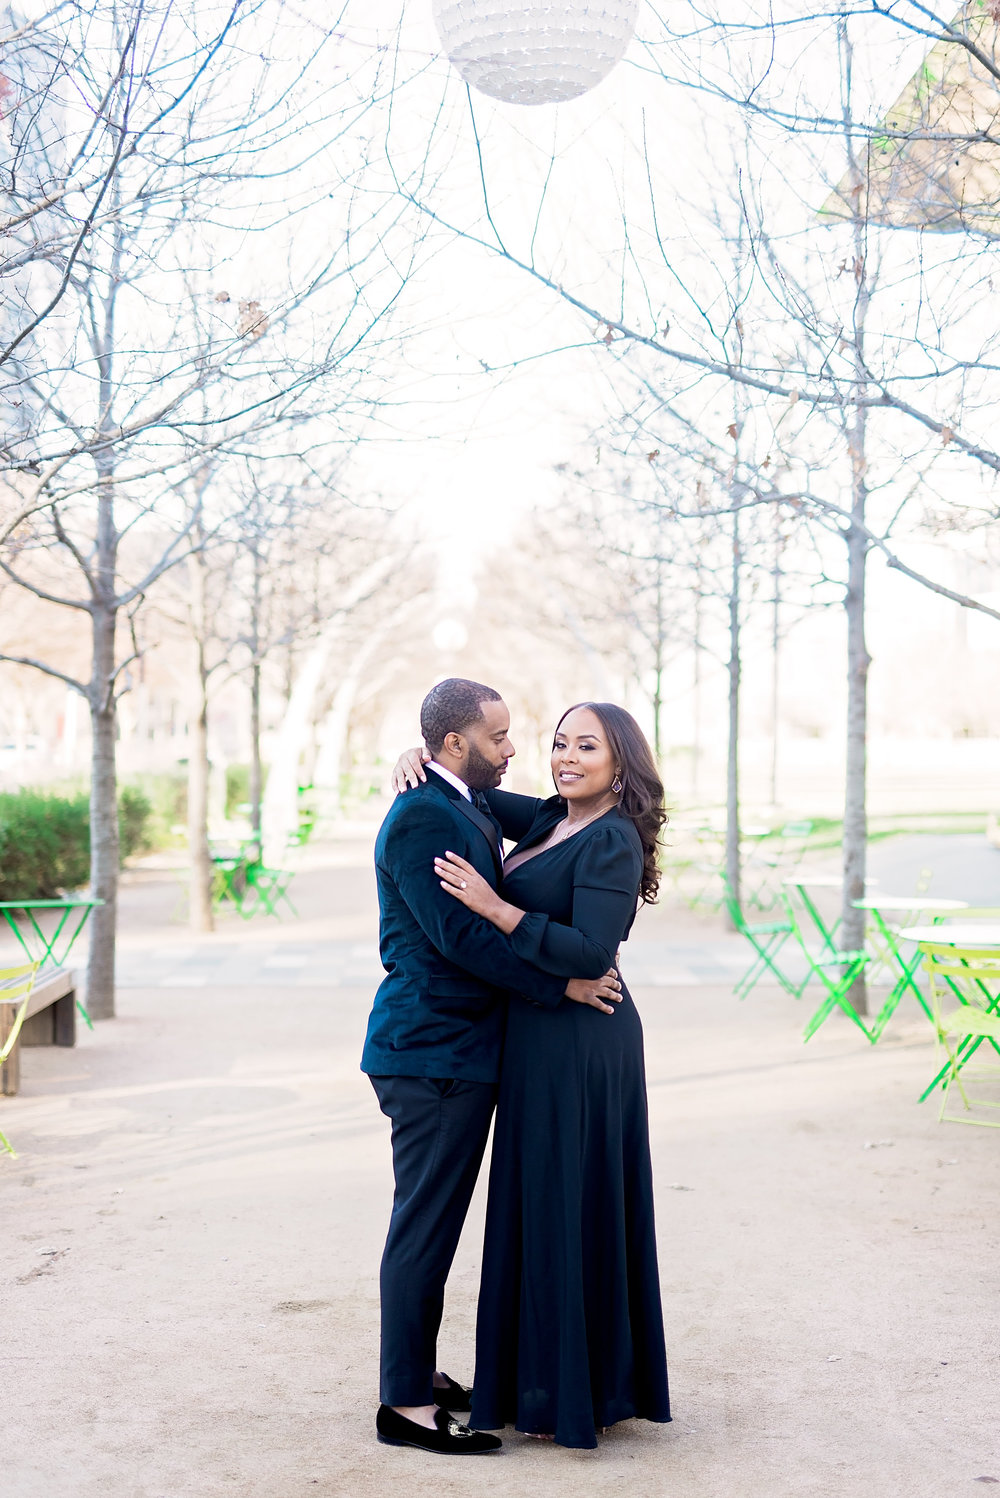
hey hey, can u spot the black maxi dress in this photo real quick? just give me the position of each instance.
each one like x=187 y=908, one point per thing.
x=570 y=1331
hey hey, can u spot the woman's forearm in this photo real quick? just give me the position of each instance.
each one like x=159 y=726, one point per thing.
x=504 y=916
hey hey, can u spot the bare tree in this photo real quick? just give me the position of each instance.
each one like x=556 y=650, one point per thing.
x=185 y=320
x=862 y=373
x=254 y=595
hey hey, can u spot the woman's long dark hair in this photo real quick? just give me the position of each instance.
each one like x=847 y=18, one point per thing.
x=641 y=799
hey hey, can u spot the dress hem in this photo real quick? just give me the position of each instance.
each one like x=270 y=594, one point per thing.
x=571 y=1445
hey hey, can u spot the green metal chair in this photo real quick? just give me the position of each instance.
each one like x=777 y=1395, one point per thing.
x=836 y=971
x=767 y=938
x=229 y=882
x=266 y=889
x=972 y=976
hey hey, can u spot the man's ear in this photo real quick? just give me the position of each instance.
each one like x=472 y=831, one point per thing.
x=454 y=743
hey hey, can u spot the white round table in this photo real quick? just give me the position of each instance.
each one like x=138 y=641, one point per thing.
x=954 y=934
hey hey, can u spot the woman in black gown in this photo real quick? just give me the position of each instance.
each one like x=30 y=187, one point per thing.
x=570 y=1332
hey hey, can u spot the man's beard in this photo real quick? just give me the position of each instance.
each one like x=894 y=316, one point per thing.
x=479 y=774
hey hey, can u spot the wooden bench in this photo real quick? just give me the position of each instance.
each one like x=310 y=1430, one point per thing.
x=50 y=1020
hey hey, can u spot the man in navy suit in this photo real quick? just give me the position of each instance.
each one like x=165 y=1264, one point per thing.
x=433 y=1046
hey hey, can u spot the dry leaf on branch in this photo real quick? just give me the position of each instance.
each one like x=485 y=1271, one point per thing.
x=253 y=321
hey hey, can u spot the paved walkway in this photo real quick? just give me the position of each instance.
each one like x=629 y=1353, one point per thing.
x=343 y=964
x=192 y=1231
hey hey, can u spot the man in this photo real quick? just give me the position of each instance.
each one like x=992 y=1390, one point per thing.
x=433 y=1047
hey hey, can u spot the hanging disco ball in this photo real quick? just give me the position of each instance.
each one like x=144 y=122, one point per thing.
x=535 y=51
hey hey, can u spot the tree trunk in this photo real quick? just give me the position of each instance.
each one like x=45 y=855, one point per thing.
x=855 y=785
x=104 y=851
x=103 y=818
x=199 y=853
x=733 y=748
x=256 y=767
x=858 y=660
x=775 y=657
x=658 y=669
x=696 y=687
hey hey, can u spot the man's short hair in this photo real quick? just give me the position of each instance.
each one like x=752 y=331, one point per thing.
x=450 y=707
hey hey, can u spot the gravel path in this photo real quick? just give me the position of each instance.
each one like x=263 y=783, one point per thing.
x=193 y=1225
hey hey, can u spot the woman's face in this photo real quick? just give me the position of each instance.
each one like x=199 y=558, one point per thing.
x=583 y=765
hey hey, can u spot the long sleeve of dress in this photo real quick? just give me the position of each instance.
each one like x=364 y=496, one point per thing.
x=461 y=936
x=515 y=813
x=605 y=888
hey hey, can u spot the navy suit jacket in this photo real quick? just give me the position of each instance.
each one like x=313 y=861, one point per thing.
x=439 y=1011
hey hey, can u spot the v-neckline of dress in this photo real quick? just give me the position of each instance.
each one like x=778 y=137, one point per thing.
x=561 y=844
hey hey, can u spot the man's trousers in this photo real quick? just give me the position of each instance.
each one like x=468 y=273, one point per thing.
x=439 y=1133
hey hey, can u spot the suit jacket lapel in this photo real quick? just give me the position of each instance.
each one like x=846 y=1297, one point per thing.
x=474 y=815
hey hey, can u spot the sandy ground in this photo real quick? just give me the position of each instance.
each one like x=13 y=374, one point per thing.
x=193 y=1225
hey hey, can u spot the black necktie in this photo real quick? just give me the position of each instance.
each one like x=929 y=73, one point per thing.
x=481 y=804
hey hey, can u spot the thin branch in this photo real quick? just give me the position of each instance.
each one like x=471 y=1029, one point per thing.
x=27 y=660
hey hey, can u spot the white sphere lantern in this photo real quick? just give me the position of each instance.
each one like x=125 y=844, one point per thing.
x=535 y=51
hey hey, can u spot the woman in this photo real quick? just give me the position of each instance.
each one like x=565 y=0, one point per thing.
x=569 y=1337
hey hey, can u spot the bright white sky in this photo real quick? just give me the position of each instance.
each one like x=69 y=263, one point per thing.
x=498 y=436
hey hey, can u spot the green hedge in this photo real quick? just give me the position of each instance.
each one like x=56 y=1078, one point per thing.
x=135 y=811
x=45 y=840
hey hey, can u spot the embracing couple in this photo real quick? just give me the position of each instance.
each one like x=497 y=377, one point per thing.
x=501 y=993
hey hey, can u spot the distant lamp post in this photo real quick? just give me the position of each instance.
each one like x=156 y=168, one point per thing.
x=535 y=51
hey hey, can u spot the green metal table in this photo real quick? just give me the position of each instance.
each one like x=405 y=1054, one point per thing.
x=49 y=948
x=885 y=939
x=802 y=884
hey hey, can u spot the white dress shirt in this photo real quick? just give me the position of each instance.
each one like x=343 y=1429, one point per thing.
x=459 y=785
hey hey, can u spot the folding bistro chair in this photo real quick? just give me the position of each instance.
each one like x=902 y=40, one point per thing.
x=836 y=971
x=970 y=975
x=767 y=938
x=269 y=887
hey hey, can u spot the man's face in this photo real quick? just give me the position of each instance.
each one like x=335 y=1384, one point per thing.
x=487 y=748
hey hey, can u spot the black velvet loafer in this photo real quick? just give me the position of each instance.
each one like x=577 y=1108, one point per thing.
x=451 y=1438
x=453 y=1396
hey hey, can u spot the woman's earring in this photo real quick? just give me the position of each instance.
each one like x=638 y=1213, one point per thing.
x=616 y=785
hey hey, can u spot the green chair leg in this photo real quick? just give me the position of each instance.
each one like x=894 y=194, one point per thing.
x=270 y=886
x=836 y=972
x=850 y=966
x=766 y=939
